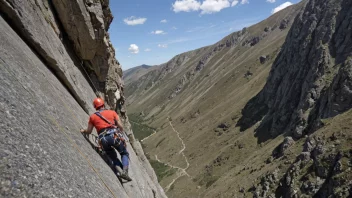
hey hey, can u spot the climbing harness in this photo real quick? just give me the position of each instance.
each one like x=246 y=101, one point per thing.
x=118 y=139
x=122 y=133
x=118 y=136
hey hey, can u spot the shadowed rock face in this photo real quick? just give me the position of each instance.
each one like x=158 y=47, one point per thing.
x=35 y=22
x=86 y=24
x=45 y=98
x=37 y=113
x=311 y=78
x=75 y=34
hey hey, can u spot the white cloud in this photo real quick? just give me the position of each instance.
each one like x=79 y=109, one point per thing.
x=134 y=49
x=147 y=50
x=205 y=6
x=163 y=21
x=211 y=6
x=270 y=1
x=234 y=3
x=174 y=28
x=134 y=21
x=158 y=32
x=162 y=45
x=281 y=7
x=185 y=6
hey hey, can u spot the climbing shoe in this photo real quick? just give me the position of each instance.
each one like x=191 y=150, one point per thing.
x=125 y=176
x=119 y=170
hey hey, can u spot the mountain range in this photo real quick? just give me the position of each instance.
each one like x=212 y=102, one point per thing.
x=264 y=112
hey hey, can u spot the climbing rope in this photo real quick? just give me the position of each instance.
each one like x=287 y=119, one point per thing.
x=85 y=71
x=67 y=136
x=75 y=145
x=81 y=153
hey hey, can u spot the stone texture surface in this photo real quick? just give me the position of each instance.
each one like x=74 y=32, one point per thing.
x=39 y=119
x=86 y=23
x=76 y=20
x=321 y=179
x=311 y=78
x=36 y=25
x=262 y=59
x=45 y=99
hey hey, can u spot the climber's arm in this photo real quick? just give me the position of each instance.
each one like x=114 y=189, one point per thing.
x=118 y=122
x=119 y=125
x=88 y=130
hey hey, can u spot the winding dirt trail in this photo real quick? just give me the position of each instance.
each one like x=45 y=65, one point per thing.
x=154 y=131
x=149 y=136
x=181 y=171
x=183 y=145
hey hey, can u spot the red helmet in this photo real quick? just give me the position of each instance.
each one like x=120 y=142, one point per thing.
x=98 y=102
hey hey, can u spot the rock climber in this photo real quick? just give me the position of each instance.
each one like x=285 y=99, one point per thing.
x=109 y=128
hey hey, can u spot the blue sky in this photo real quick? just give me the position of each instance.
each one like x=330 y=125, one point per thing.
x=153 y=31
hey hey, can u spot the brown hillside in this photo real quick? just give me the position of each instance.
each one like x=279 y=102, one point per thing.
x=194 y=102
x=265 y=112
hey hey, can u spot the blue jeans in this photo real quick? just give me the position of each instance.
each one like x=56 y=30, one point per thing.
x=109 y=143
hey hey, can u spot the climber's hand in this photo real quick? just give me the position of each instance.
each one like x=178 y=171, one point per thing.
x=89 y=130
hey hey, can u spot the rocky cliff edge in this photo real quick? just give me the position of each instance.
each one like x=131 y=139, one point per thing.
x=55 y=57
x=311 y=78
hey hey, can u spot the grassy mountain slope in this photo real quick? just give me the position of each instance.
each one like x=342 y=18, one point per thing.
x=134 y=73
x=194 y=102
x=199 y=90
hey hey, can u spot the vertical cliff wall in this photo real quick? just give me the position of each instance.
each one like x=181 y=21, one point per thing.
x=47 y=51
x=311 y=78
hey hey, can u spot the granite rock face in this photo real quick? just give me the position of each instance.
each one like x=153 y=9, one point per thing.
x=39 y=121
x=46 y=97
x=311 y=78
x=35 y=22
x=86 y=24
x=75 y=34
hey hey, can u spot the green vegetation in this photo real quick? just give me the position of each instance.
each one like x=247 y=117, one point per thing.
x=172 y=186
x=161 y=169
x=140 y=130
x=208 y=180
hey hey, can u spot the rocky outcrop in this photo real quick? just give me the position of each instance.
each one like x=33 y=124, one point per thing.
x=252 y=41
x=283 y=148
x=316 y=172
x=262 y=59
x=320 y=170
x=46 y=95
x=86 y=24
x=284 y=24
x=266 y=182
x=33 y=19
x=311 y=78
